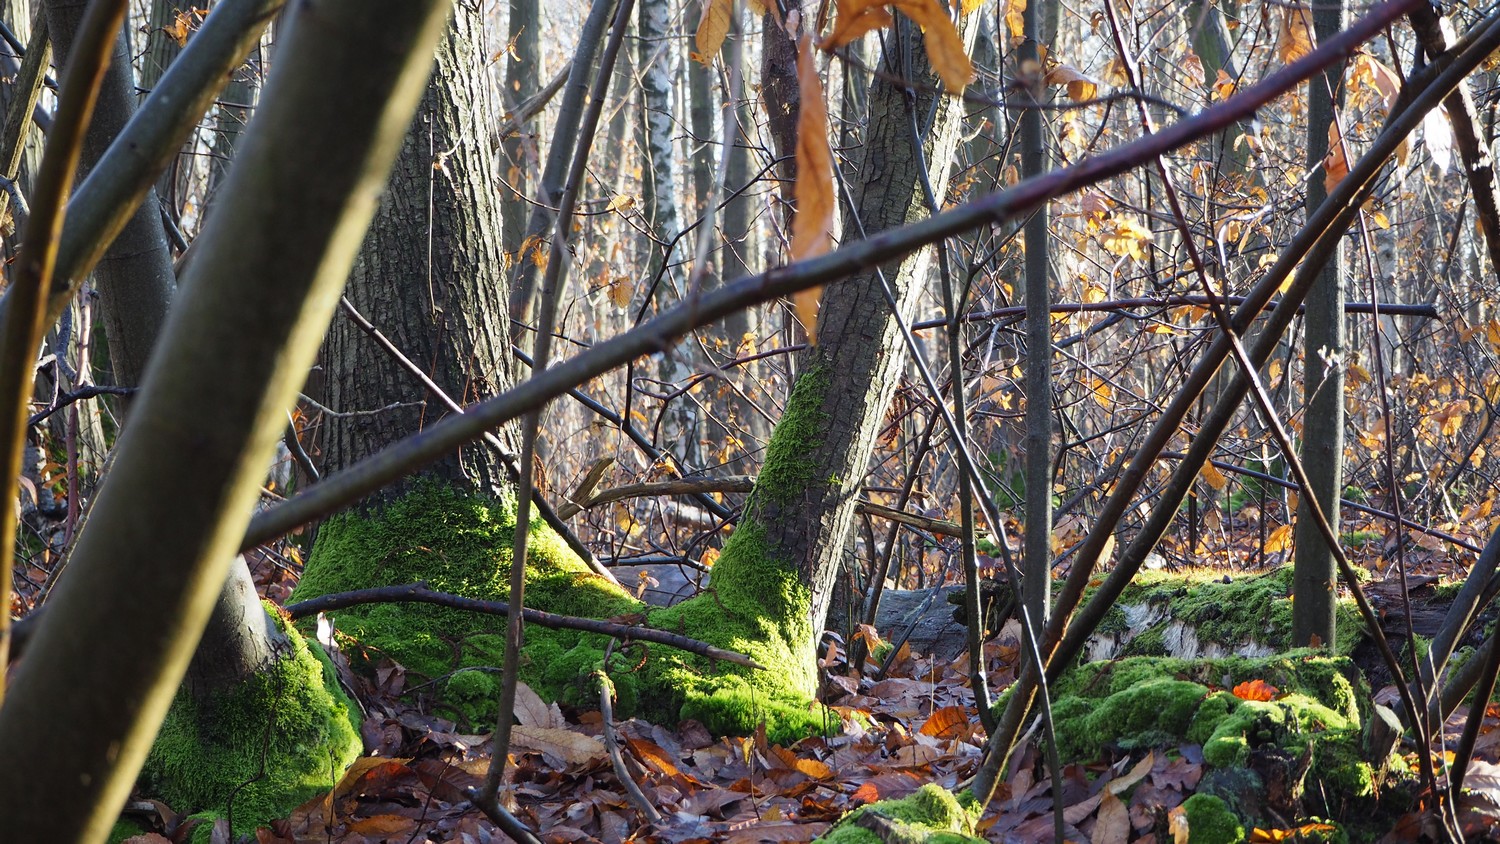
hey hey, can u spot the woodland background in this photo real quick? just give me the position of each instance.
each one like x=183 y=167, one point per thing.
x=1049 y=406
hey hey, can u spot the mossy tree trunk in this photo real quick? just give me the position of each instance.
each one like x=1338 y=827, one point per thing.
x=802 y=509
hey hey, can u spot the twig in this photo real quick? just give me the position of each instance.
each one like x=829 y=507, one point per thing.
x=612 y=744
x=419 y=593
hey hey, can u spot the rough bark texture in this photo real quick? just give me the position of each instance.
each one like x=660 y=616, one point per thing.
x=135 y=278
x=1323 y=379
x=431 y=278
x=857 y=362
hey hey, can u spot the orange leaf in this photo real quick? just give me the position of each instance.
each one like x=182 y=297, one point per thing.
x=949 y=722
x=1080 y=86
x=1335 y=163
x=812 y=228
x=1279 y=540
x=1256 y=690
x=944 y=46
x=1295 y=38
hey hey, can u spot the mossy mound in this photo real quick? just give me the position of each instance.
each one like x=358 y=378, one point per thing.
x=1197 y=614
x=1312 y=727
x=931 y=814
x=461 y=543
x=1210 y=821
x=255 y=752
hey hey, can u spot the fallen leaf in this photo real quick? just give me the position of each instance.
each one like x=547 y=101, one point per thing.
x=1256 y=690
x=573 y=748
x=1113 y=823
x=949 y=722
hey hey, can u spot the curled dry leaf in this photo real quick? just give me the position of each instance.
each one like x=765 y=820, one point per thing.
x=1080 y=86
x=812 y=228
x=1335 y=163
x=945 y=49
x=854 y=18
x=1295 y=37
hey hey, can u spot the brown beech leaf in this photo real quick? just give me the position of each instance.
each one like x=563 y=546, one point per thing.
x=1335 y=163
x=949 y=722
x=713 y=27
x=812 y=228
x=1295 y=37
x=1080 y=86
x=854 y=18
x=944 y=46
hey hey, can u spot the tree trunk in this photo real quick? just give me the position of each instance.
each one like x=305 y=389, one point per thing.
x=1038 y=237
x=1323 y=350
x=523 y=72
x=430 y=277
x=135 y=278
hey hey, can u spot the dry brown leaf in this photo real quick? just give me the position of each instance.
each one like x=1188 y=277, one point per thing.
x=852 y=19
x=1080 y=86
x=1015 y=18
x=1335 y=163
x=1192 y=65
x=1213 y=476
x=1295 y=37
x=532 y=711
x=1113 y=823
x=1372 y=73
x=945 y=49
x=812 y=228
x=573 y=748
x=713 y=27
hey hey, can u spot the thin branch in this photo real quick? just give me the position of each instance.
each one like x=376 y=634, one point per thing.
x=419 y=593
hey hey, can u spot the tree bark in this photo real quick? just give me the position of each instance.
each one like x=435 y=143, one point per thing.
x=805 y=499
x=430 y=277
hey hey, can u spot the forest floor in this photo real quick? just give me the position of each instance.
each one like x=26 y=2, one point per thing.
x=920 y=727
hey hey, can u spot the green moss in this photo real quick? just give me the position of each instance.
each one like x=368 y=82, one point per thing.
x=1141 y=702
x=460 y=543
x=1247 y=611
x=930 y=814
x=1210 y=821
x=124 y=829
x=788 y=471
x=255 y=752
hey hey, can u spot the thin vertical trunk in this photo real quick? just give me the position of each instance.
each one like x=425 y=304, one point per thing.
x=1323 y=374
x=1037 y=235
x=135 y=278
